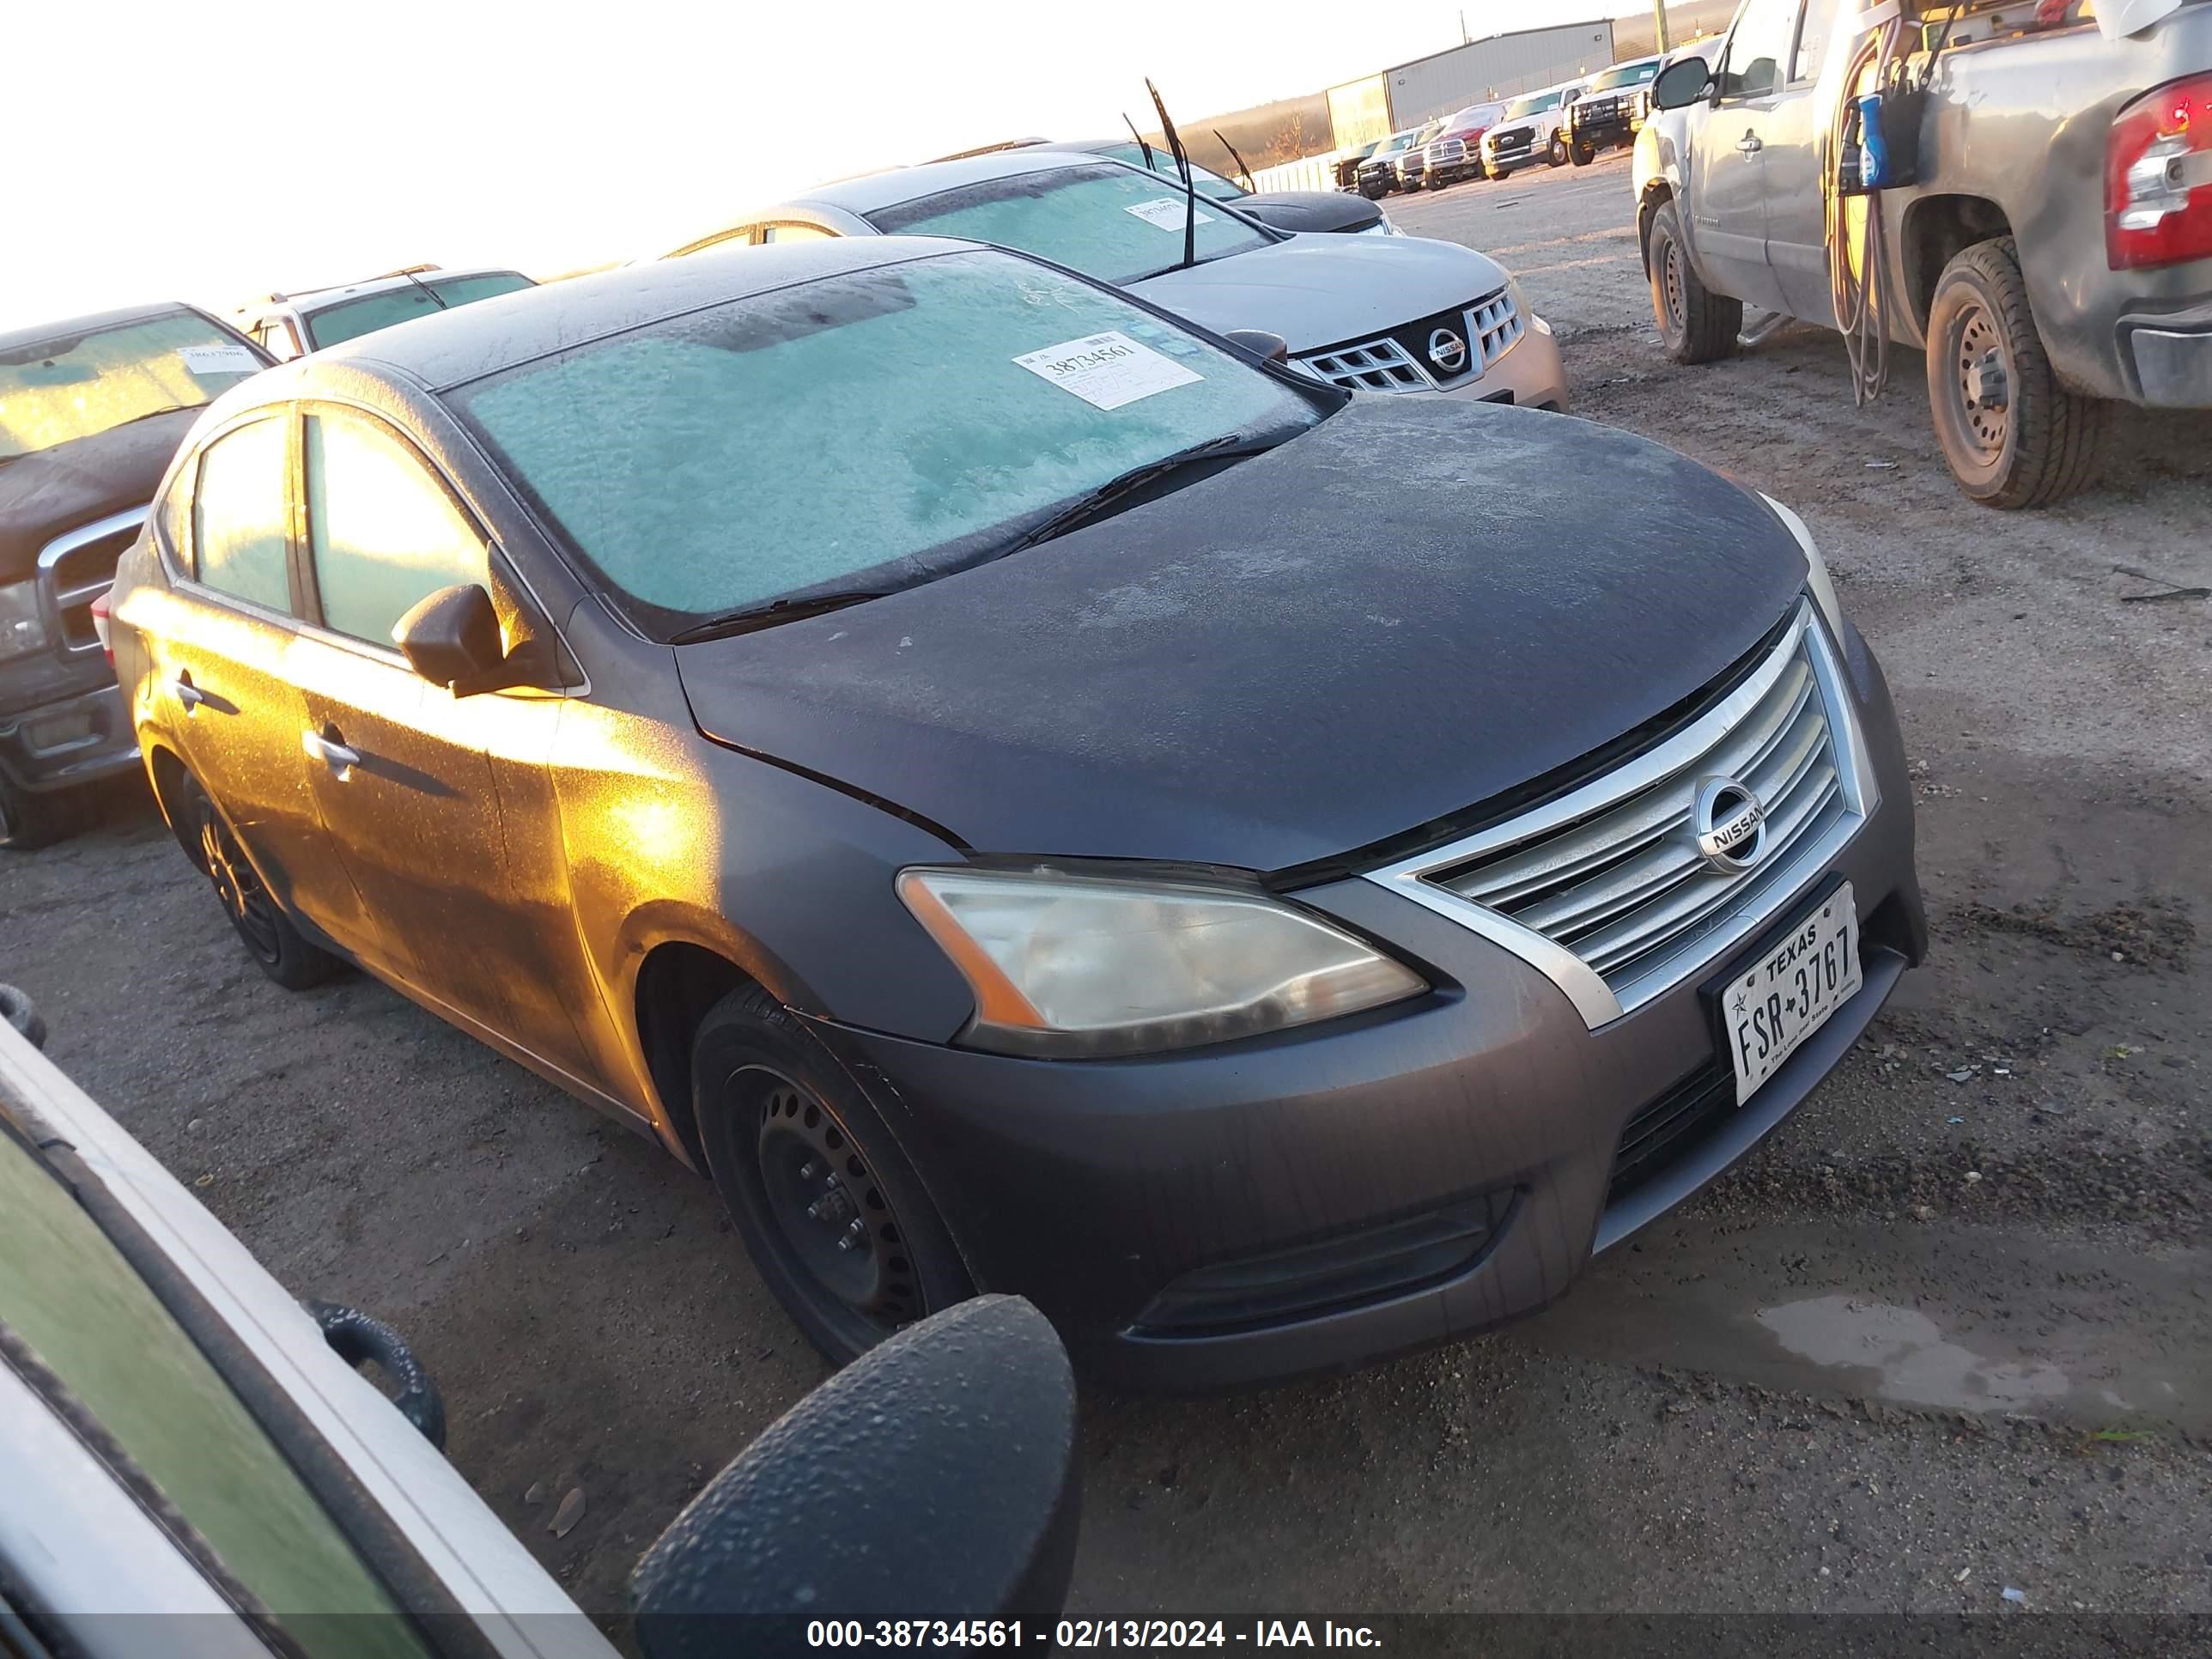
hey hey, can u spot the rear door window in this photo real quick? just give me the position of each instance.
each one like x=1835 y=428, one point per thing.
x=240 y=544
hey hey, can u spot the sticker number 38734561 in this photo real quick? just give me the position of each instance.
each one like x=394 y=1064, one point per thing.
x=1107 y=370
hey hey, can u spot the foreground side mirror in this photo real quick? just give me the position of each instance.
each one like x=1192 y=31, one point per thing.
x=933 y=1478
x=1273 y=347
x=1681 y=84
x=452 y=639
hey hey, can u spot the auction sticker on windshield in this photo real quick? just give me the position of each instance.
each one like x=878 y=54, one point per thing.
x=1785 y=996
x=219 y=359
x=1107 y=370
x=1168 y=213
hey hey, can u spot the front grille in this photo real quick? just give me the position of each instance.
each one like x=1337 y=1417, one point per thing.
x=1447 y=152
x=1354 y=1269
x=1400 y=361
x=78 y=567
x=1512 y=138
x=1377 y=366
x=1612 y=872
x=1664 y=1127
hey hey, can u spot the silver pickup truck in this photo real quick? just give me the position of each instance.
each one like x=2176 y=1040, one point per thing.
x=2041 y=219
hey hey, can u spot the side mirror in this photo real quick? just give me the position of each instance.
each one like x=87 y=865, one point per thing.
x=452 y=639
x=1681 y=83
x=1273 y=347
x=933 y=1478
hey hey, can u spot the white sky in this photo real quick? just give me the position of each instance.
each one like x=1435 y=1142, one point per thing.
x=217 y=150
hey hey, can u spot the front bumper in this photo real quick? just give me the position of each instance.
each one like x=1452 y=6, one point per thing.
x=78 y=738
x=1530 y=375
x=1471 y=1134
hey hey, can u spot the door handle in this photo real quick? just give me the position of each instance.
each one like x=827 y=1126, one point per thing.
x=328 y=747
x=188 y=694
x=1750 y=144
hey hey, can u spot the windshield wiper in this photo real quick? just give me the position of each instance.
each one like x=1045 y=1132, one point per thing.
x=1230 y=447
x=771 y=614
x=166 y=408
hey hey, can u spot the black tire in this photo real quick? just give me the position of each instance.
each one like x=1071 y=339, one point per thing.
x=1696 y=325
x=783 y=1124
x=16 y=1010
x=2013 y=435
x=27 y=821
x=1556 y=156
x=1582 y=153
x=277 y=945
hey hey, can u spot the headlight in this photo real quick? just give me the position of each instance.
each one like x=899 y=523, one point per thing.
x=1817 y=578
x=1086 y=967
x=22 y=629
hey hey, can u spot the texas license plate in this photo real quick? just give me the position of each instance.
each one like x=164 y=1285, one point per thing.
x=1769 y=1008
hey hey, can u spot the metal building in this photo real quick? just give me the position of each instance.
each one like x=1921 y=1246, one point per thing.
x=1498 y=66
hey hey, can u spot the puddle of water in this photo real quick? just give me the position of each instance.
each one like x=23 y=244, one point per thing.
x=1908 y=1350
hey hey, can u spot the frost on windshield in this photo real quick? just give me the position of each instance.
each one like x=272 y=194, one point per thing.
x=848 y=426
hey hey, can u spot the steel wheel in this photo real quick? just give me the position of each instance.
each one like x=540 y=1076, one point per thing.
x=1672 y=294
x=244 y=899
x=831 y=1211
x=1980 y=404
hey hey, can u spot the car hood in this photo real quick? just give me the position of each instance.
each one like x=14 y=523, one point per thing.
x=1332 y=211
x=57 y=490
x=1295 y=658
x=1318 y=290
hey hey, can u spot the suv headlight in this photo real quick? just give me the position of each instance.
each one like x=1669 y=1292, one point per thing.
x=1817 y=579
x=1087 y=966
x=23 y=631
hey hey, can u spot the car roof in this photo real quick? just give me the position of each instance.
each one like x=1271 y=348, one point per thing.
x=315 y=299
x=450 y=348
x=873 y=192
x=84 y=325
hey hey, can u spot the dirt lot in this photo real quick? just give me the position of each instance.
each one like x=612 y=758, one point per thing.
x=1948 y=1332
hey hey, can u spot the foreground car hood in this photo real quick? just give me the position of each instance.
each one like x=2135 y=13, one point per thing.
x=1295 y=658
x=1325 y=210
x=43 y=494
x=1318 y=290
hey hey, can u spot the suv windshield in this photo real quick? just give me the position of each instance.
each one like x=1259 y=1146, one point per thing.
x=1211 y=184
x=71 y=386
x=1105 y=221
x=1624 y=75
x=860 y=433
x=350 y=318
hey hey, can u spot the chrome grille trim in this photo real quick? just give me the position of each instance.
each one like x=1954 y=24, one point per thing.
x=1600 y=890
x=1375 y=366
x=66 y=601
x=1493 y=325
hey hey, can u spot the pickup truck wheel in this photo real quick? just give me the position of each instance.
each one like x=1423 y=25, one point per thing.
x=1696 y=325
x=283 y=951
x=1584 y=154
x=838 y=1224
x=1557 y=154
x=2013 y=436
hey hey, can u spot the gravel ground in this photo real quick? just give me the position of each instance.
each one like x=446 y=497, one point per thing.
x=1948 y=1333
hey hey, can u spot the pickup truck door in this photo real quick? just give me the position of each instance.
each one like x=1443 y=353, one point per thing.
x=1730 y=187
x=1796 y=157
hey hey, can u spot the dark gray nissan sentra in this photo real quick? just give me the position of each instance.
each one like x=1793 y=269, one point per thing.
x=1000 y=781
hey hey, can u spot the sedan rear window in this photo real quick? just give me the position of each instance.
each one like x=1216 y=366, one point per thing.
x=866 y=431
x=1106 y=222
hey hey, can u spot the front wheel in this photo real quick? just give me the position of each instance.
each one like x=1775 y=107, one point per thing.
x=1696 y=325
x=280 y=950
x=2013 y=435
x=836 y=1218
x=1557 y=154
x=1584 y=154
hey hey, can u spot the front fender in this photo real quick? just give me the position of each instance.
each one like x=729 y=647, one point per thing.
x=1656 y=176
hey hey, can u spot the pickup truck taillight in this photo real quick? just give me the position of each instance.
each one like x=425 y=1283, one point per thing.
x=100 y=626
x=2157 y=177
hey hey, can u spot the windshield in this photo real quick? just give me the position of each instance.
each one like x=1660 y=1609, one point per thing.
x=1624 y=75
x=1105 y=221
x=1534 y=104
x=71 y=386
x=1211 y=186
x=868 y=431
x=1398 y=140
x=349 y=320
